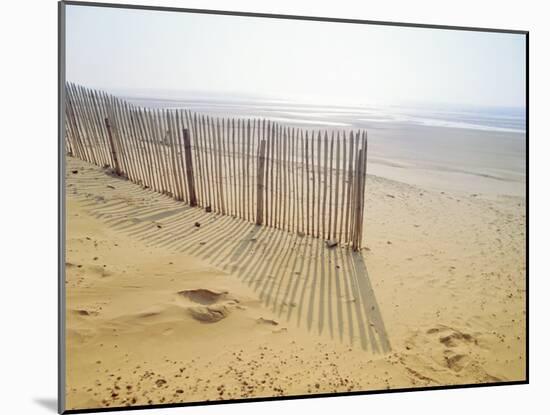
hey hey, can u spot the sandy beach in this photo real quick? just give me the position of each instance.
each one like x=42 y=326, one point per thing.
x=169 y=304
x=266 y=207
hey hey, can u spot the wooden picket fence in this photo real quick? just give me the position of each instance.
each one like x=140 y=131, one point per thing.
x=303 y=181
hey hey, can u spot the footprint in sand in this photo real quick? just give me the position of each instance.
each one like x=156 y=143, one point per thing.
x=203 y=296
x=214 y=305
x=85 y=313
x=456 y=361
x=211 y=314
x=451 y=337
x=267 y=321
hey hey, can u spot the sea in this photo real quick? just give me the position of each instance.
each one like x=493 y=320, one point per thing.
x=472 y=149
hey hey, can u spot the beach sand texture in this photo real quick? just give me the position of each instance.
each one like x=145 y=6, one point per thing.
x=170 y=304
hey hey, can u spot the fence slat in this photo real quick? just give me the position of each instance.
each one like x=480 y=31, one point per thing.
x=337 y=188
x=285 y=181
x=189 y=168
x=213 y=165
x=206 y=158
x=260 y=183
x=114 y=156
x=341 y=236
x=81 y=123
x=267 y=199
x=248 y=155
x=295 y=183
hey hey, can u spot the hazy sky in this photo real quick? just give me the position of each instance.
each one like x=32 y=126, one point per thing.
x=120 y=49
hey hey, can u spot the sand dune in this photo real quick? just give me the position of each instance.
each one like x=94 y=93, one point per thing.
x=162 y=310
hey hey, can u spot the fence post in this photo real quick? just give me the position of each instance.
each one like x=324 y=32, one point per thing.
x=363 y=185
x=189 y=168
x=260 y=184
x=357 y=205
x=112 y=145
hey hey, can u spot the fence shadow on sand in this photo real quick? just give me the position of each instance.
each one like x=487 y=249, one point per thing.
x=326 y=290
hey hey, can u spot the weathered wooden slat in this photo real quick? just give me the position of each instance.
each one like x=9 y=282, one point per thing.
x=100 y=127
x=180 y=164
x=136 y=162
x=239 y=168
x=341 y=236
x=206 y=165
x=144 y=132
x=355 y=191
x=212 y=165
x=313 y=199
x=330 y=186
x=325 y=185
x=358 y=202
x=195 y=147
x=81 y=109
x=319 y=184
x=302 y=184
x=335 y=233
x=348 y=186
x=294 y=182
x=73 y=121
x=213 y=159
x=140 y=143
x=363 y=187
x=164 y=147
x=135 y=143
x=82 y=124
x=267 y=198
x=248 y=216
x=103 y=113
x=219 y=165
x=277 y=197
x=286 y=203
x=276 y=158
x=260 y=183
x=122 y=136
x=90 y=111
x=118 y=135
x=194 y=137
x=90 y=136
x=161 y=137
x=144 y=123
x=189 y=168
x=306 y=156
x=114 y=156
x=224 y=169
x=179 y=116
x=94 y=132
x=254 y=163
x=172 y=150
x=76 y=125
x=272 y=194
x=230 y=166
x=155 y=153
x=103 y=133
x=201 y=157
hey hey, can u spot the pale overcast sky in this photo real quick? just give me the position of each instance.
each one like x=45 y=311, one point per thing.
x=122 y=49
